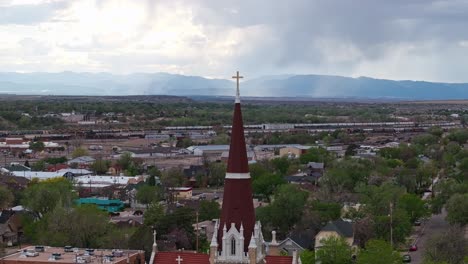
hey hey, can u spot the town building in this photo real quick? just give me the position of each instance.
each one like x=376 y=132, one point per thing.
x=69 y=255
x=180 y=193
x=293 y=151
x=109 y=205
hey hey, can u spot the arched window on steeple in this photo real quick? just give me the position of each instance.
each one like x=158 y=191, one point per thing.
x=233 y=246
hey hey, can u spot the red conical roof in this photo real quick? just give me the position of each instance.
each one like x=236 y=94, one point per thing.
x=237 y=162
x=237 y=199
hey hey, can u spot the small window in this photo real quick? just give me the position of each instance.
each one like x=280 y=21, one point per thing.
x=233 y=246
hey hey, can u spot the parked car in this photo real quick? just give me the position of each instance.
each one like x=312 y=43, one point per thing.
x=417 y=222
x=31 y=253
x=406 y=258
x=413 y=248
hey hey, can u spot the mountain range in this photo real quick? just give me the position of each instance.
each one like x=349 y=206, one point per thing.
x=314 y=86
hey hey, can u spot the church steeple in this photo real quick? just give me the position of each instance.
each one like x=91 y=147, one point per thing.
x=237 y=200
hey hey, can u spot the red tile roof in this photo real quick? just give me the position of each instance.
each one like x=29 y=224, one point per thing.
x=278 y=259
x=198 y=258
x=187 y=258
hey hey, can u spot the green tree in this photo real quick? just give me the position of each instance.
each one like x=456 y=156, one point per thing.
x=378 y=251
x=216 y=174
x=147 y=194
x=316 y=155
x=209 y=210
x=413 y=205
x=457 y=209
x=153 y=214
x=84 y=226
x=307 y=257
x=154 y=171
x=37 y=146
x=173 y=177
x=42 y=197
x=79 y=152
x=281 y=165
x=265 y=184
x=6 y=197
x=125 y=160
x=100 y=166
x=285 y=210
x=151 y=180
x=450 y=246
x=334 y=250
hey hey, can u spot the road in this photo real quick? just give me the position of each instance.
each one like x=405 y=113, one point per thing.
x=434 y=225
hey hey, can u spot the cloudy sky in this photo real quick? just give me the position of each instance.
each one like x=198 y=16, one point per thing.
x=397 y=39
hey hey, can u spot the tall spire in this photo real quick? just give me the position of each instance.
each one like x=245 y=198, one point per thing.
x=237 y=199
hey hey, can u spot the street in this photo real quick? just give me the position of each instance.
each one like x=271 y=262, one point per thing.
x=434 y=225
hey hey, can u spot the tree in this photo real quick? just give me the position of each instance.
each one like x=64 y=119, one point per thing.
x=173 y=177
x=315 y=155
x=151 y=180
x=154 y=171
x=334 y=250
x=38 y=166
x=209 y=210
x=147 y=194
x=79 y=152
x=450 y=246
x=285 y=210
x=6 y=197
x=265 y=184
x=378 y=251
x=37 y=146
x=42 y=197
x=184 y=143
x=83 y=226
x=125 y=160
x=153 y=214
x=281 y=165
x=100 y=166
x=413 y=205
x=457 y=209
x=307 y=257
x=216 y=174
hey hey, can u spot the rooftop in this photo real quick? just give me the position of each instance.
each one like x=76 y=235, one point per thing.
x=75 y=256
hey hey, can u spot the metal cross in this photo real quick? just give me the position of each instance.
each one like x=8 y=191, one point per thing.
x=178 y=259
x=237 y=77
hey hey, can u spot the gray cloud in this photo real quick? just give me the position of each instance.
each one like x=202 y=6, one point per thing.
x=397 y=39
x=373 y=28
x=30 y=14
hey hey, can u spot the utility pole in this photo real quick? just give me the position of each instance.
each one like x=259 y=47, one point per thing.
x=391 y=224
x=198 y=234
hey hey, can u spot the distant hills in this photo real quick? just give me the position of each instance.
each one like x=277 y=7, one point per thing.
x=318 y=86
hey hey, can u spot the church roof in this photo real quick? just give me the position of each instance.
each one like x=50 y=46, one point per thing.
x=237 y=200
x=237 y=162
x=278 y=259
x=200 y=258
x=187 y=257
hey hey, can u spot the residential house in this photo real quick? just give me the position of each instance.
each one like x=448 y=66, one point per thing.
x=316 y=170
x=82 y=161
x=10 y=227
x=338 y=228
x=297 y=241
